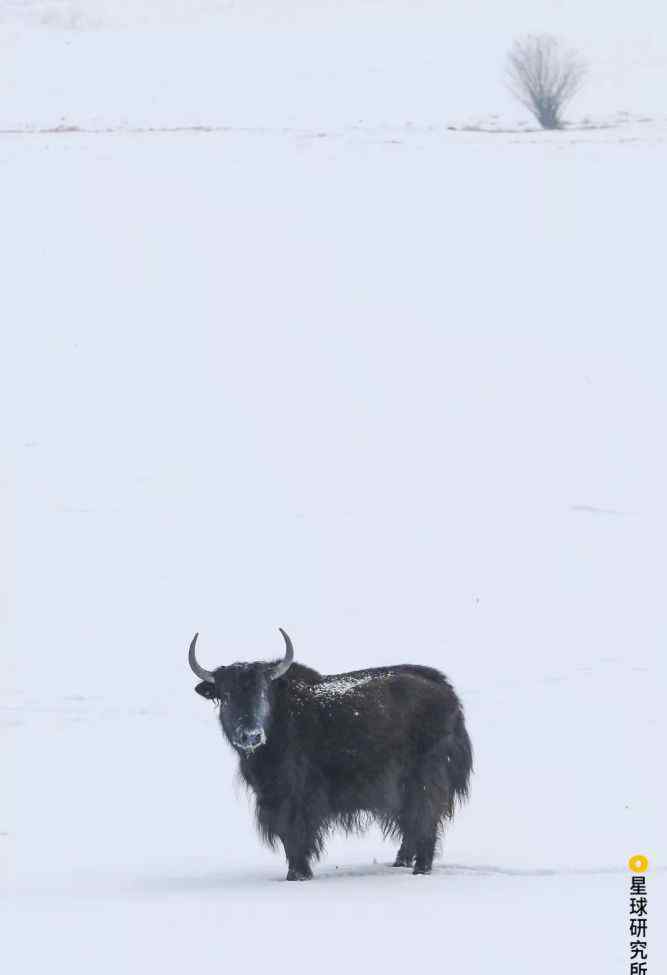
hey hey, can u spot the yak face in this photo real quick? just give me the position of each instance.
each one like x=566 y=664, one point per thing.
x=244 y=693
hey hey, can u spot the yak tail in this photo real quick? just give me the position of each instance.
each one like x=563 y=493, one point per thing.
x=459 y=759
x=458 y=744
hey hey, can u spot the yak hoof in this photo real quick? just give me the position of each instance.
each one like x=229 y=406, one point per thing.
x=420 y=869
x=403 y=861
x=293 y=874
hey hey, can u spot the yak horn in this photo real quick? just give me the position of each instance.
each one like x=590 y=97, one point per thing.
x=286 y=662
x=199 y=671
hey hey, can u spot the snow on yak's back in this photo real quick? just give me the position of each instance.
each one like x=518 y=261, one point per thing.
x=386 y=744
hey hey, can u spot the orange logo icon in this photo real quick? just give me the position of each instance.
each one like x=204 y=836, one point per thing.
x=638 y=863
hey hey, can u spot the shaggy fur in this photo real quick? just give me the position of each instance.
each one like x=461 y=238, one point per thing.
x=387 y=744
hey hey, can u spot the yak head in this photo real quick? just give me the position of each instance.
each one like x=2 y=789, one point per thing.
x=244 y=694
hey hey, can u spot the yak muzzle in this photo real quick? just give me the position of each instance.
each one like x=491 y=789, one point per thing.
x=250 y=740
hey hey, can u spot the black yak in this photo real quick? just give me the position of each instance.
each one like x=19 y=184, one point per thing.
x=387 y=744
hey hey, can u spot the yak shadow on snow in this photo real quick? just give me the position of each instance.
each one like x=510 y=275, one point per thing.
x=264 y=883
x=221 y=881
x=450 y=870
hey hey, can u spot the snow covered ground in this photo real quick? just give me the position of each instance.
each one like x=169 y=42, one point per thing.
x=315 y=359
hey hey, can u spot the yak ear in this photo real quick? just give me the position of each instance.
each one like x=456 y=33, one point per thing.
x=206 y=689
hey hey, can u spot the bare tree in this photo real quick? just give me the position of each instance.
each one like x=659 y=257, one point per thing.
x=544 y=76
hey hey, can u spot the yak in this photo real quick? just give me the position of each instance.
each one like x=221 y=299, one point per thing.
x=386 y=744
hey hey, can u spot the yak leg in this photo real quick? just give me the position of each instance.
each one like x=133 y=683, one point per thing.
x=406 y=853
x=426 y=849
x=405 y=856
x=298 y=859
x=299 y=838
x=426 y=821
x=427 y=805
x=416 y=827
x=283 y=821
